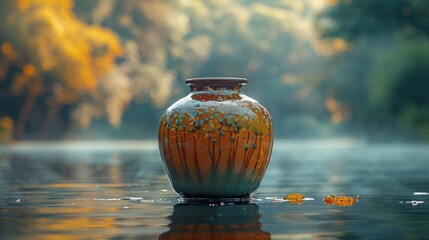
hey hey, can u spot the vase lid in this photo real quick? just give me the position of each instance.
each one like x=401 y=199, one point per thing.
x=216 y=80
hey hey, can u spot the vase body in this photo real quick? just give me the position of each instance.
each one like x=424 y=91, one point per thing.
x=216 y=142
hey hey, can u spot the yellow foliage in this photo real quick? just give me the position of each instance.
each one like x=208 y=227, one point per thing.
x=6 y=129
x=332 y=2
x=338 y=111
x=61 y=5
x=28 y=70
x=58 y=46
x=339 y=44
x=6 y=49
x=332 y=46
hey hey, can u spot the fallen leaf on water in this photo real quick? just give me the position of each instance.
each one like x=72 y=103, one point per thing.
x=343 y=201
x=294 y=198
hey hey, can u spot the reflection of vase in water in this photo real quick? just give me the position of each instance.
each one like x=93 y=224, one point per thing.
x=219 y=222
x=216 y=142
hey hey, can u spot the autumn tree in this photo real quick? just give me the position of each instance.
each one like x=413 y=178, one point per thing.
x=48 y=60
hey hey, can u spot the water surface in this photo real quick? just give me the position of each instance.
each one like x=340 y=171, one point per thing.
x=102 y=190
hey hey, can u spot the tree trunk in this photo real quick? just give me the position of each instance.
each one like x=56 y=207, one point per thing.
x=49 y=119
x=24 y=114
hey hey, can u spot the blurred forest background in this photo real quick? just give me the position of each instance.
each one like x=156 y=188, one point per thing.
x=107 y=69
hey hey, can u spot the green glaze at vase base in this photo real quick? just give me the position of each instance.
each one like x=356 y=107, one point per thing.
x=224 y=186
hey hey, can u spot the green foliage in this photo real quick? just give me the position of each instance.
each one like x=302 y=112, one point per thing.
x=352 y=19
x=398 y=85
x=383 y=77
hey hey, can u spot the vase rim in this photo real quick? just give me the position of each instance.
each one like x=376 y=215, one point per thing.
x=216 y=80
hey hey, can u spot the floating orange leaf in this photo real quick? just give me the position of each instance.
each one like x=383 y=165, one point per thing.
x=343 y=201
x=294 y=198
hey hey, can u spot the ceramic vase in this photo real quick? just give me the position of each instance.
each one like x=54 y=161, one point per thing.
x=216 y=142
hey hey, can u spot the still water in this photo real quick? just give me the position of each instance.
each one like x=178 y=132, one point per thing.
x=101 y=190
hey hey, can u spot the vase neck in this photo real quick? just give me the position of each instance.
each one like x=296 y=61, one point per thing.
x=215 y=83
